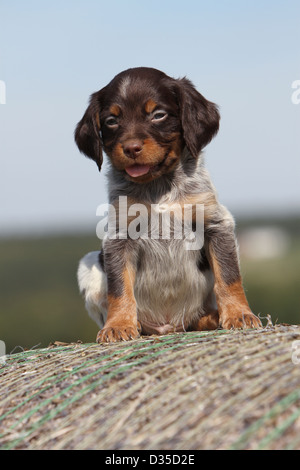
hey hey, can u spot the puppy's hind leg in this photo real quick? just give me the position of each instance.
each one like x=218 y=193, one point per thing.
x=93 y=285
x=209 y=320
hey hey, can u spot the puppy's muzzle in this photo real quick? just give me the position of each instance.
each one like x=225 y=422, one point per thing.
x=133 y=148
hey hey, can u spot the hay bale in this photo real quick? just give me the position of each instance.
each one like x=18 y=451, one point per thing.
x=196 y=390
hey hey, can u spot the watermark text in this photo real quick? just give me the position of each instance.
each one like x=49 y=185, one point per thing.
x=296 y=94
x=2 y=353
x=296 y=352
x=2 y=92
x=165 y=221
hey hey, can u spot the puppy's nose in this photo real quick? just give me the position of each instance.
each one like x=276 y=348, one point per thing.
x=132 y=148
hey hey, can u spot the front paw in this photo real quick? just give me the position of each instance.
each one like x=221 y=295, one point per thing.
x=115 y=333
x=239 y=319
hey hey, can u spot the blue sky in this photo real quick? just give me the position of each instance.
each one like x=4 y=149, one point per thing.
x=53 y=54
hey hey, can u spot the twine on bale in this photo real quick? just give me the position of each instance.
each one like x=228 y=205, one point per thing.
x=197 y=390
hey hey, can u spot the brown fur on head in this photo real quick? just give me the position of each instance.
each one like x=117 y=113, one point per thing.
x=142 y=120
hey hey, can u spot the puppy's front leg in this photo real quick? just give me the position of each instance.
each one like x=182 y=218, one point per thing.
x=121 y=323
x=234 y=310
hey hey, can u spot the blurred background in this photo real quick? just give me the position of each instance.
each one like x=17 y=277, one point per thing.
x=53 y=54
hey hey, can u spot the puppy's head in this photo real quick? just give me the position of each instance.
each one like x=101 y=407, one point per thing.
x=142 y=120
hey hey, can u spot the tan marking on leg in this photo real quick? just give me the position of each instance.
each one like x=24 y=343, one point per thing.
x=233 y=307
x=121 y=323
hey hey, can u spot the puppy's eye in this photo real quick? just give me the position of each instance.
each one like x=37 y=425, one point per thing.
x=159 y=116
x=111 y=122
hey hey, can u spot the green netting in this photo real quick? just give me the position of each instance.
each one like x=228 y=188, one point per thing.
x=197 y=390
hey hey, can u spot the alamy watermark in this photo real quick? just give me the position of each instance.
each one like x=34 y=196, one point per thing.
x=2 y=353
x=2 y=92
x=296 y=94
x=163 y=221
x=296 y=352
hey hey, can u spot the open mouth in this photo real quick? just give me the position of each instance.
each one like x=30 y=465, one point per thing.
x=140 y=170
x=137 y=170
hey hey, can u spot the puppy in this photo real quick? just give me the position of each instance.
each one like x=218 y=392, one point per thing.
x=153 y=129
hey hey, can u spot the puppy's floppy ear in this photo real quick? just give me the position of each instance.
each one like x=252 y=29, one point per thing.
x=87 y=132
x=199 y=117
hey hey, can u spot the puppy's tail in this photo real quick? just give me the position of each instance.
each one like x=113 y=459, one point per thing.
x=93 y=286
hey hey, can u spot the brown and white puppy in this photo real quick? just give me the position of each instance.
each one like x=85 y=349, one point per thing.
x=153 y=129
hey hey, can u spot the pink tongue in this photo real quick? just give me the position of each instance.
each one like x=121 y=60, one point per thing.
x=137 y=170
